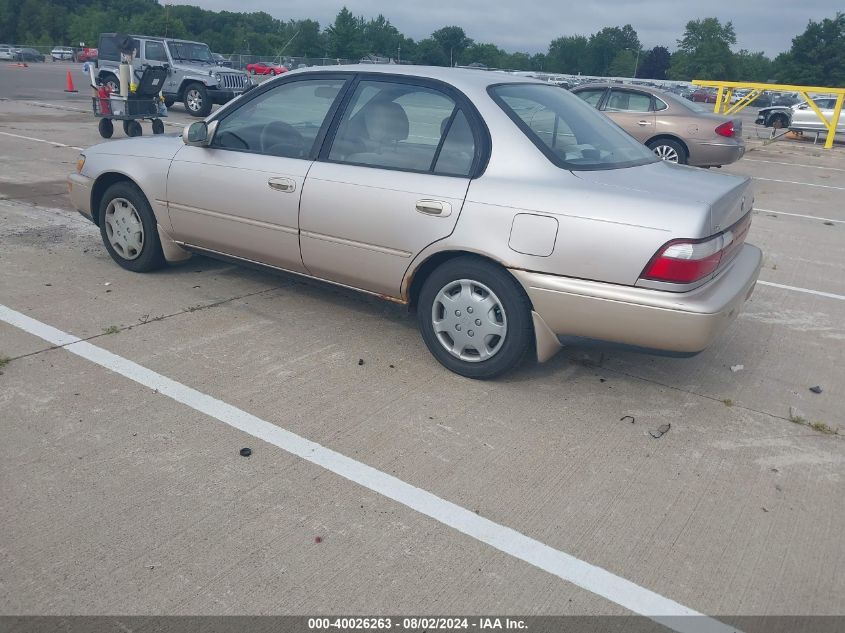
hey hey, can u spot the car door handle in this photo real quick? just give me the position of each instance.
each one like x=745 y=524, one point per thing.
x=643 y=122
x=434 y=207
x=287 y=185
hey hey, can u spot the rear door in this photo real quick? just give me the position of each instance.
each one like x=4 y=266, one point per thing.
x=632 y=110
x=392 y=181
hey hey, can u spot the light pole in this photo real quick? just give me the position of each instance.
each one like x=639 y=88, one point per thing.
x=636 y=63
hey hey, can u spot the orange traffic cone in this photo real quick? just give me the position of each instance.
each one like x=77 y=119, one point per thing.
x=70 y=87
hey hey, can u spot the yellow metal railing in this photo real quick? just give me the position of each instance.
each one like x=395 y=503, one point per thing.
x=726 y=90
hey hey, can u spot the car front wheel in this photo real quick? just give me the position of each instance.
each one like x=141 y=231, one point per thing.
x=129 y=229
x=669 y=150
x=475 y=318
x=197 y=102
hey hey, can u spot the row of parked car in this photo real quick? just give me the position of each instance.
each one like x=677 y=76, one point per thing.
x=58 y=53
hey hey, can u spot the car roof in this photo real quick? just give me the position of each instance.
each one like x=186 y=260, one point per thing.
x=158 y=38
x=461 y=78
x=657 y=92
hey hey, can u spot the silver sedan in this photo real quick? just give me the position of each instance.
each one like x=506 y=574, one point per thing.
x=505 y=211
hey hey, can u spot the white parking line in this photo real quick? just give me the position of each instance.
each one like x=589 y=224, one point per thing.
x=801 y=215
x=565 y=566
x=776 y=162
x=41 y=140
x=818 y=293
x=796 y=182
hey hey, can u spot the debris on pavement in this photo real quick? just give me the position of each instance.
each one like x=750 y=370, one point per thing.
x=628 y=417
x=661 y=430
x=816 y=389
x=360 y=361
x=318 y=539
x=246 y=452
x=736 y=368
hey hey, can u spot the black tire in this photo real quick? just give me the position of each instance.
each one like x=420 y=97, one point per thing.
x=132 y=128
x=514 y=310
x=158 y=126
x=667 y=149
x=106 y=128
x=150 y=257
x=196 y=100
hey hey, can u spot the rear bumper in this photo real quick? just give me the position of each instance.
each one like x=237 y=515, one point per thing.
x=707 y=153
x=668 y=321
x=79 y=188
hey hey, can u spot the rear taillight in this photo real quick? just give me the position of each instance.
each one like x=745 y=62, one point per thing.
x=688 y=261
x=726 y=129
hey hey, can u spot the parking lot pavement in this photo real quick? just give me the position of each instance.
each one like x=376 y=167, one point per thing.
x=122 y=499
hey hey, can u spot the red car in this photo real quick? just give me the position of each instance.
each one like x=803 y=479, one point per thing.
x=704 y=96
x=265 y=68
x=87 y=55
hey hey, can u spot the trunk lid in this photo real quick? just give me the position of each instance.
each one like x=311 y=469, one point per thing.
x=727 y=197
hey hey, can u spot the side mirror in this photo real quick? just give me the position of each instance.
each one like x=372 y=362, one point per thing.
x=199 y=133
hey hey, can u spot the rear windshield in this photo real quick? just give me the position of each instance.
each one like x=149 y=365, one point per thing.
x=571 y=133
x=692 y=106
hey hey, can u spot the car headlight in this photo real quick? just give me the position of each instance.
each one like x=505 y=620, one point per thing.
x=80 y=163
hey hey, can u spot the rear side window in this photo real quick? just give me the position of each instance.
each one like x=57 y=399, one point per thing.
x=108 y=50
x=591 y=96
x=404 y=126
x=626 y=101
x=572 y=134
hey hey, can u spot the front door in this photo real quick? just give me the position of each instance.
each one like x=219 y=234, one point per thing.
x=633 y=111
x=240 y=196
x=392 y=182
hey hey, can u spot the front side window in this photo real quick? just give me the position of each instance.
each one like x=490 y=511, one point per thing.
x=154 y=51
x=626 y=101
x=571 y=133
x=284 y=121
x=404 y=126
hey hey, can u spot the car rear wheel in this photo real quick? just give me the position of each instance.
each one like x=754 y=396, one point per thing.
x=129 y=229
x=197 y=102
x=475 y=318
x=669 y=150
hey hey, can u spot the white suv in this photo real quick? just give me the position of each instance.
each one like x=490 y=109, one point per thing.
x=7 y=52
x=61 y=53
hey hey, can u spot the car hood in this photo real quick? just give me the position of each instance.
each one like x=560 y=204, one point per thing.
x=158 y=146
x=726 y=196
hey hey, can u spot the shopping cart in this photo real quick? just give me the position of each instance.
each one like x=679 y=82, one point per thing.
x=143 y=103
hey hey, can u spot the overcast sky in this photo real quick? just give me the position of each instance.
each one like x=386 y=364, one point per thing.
x=529 y=25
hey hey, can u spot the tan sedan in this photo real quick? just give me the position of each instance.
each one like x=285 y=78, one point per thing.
x=505 y=211
x=677 y=130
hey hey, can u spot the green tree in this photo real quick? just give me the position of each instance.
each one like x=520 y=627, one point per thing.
x=488 y=54
x=568 y=54
x=453 y=42
x=381 y=37
x=623 y=64
x=817 y=56
x=655 y=63
x=605 y=45
x=345 y=36
x=430 y=53
x=704 y=52
x=752 y=66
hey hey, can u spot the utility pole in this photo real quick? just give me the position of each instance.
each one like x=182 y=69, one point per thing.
x=636 y=63
x=399 y=54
